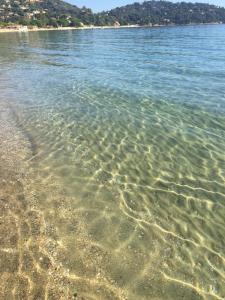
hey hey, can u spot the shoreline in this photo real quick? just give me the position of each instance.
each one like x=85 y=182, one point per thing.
x=2 y=30
x=7 y=30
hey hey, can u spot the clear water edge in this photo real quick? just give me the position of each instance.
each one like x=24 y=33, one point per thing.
x=120 y=189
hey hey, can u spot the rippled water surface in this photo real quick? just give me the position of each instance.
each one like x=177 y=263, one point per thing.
x=112 y=164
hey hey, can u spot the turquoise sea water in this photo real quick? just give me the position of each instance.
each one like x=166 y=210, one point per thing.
x=113 y=164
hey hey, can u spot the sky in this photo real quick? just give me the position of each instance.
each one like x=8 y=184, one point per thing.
x=99 y=5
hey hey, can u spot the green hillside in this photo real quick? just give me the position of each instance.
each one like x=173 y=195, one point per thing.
x=44 y=13
x=59 y=13
x=163 y=12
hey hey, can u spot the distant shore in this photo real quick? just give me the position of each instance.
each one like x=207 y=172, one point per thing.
x=23 y=29
x=64 y=28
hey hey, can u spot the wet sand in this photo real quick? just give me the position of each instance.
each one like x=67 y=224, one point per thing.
x=26 y=267
x=34 y=262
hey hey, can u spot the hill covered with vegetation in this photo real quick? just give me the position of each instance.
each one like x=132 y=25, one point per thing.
x=57 y=13
x=44 y=13
x=163 y=12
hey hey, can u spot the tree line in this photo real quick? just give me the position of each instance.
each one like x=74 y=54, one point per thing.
x=57 y=13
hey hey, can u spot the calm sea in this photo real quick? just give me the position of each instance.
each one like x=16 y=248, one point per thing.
x=112 y=164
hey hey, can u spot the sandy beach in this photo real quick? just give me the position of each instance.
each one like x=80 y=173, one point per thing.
x=22 y=29
x=4 y=30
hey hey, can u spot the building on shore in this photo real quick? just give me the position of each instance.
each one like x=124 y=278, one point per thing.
x=116 y=24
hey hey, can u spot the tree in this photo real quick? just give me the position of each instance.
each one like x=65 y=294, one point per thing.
x=63 y=22
x=75 y=22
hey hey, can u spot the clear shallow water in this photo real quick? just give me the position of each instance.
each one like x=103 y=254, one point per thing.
x=115 y=177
